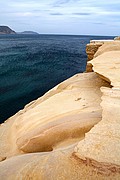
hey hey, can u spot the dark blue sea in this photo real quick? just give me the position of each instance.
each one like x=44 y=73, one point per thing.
x=30 y=65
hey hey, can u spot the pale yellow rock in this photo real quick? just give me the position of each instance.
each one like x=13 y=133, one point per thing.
x=98 y=47
x=57 y=165
x=61 y=117
x=108 y=66
x=94 y=46
x=101 y=146
x=114 y=46
x=102 y=143
x=59 y=120
x=5 y=140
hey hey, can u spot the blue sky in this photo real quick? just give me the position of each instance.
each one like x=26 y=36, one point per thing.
x=95 y=17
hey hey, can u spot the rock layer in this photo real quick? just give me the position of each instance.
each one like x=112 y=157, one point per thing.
x=94 y=46
x=101 y=146
x=61 y=117
x=91 y=49
x=59 y=120
x=108 y=66
x=51 y=166
x=106 y=47
x=98 y=47
x=102 y=143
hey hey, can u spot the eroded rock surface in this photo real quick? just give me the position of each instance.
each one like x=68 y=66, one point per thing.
x=101 y=146
x=61 y=117
x=111 y=46
x=98 y=47
x=56 y=165
x=108 y=66
x=102 y=143
x=58 y=120
x=91 y=49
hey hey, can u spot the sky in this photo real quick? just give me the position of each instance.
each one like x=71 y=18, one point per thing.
x=79 y=17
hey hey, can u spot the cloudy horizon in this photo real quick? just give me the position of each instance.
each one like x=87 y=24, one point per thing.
x=82 y=17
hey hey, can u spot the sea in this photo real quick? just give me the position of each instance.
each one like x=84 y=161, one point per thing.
x=30 y=65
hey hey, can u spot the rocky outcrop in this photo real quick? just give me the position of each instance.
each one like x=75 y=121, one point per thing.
x=91 y=49
x=106 y=47
x=66 y=113
x=102 y=143
x=117 y=38
x=101 y=146
x=61 y=122
x=62 y=164
x=97 y=47
x=108 y=66
x=6 y=30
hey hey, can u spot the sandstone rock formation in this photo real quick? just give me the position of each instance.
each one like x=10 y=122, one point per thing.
x=91 y=49
x=106 y=47
x=108 y=66
x=101 y=146
x=94 y=46
x=66 y=113
x=102 y=143
x=100 y=48
x=58 y=121
x=57 y=165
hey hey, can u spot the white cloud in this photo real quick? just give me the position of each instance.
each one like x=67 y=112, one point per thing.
x=62 y=16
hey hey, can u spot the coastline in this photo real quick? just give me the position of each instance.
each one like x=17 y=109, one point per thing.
x=60 y=121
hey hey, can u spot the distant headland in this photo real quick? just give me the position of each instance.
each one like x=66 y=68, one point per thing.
x=28 y=32
x=6 y=30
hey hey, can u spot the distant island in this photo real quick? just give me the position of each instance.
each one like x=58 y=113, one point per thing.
x=28 y=32
x=6 y=30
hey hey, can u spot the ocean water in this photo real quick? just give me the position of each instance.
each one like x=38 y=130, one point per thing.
x=30 y=65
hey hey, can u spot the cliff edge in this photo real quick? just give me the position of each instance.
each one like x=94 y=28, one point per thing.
x=73 y=131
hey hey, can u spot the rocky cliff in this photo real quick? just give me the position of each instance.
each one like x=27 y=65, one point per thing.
x=6 y=30
x=72 y=132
